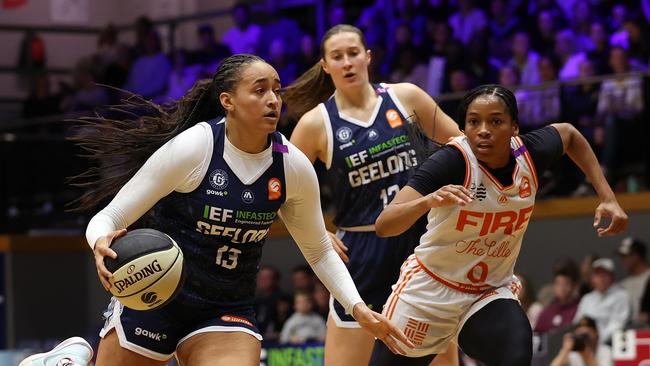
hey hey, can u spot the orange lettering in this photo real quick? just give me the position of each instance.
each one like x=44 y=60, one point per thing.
x=524 y=216
x=486 y=223
x=463 y=219
x=510 y=218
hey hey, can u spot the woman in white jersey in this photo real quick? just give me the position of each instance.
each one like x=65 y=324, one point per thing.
x=478 y=192
x=360 y=131
x=219 y=142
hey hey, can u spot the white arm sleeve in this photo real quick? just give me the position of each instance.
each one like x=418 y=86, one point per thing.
x=303 y=217
x=179 y=165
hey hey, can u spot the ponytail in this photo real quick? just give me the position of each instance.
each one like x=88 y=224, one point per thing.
x=310 y=89
x=122 y=137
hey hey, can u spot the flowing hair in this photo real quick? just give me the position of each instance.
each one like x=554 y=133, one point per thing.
x=122 y=137
x=315 y=86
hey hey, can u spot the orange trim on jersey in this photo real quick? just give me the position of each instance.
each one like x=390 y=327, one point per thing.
x=462 y=287
x=401 y=284
x=468 y=168
x=496 y=181
x=529 y=161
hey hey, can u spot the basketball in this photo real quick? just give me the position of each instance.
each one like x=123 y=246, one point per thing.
x=148 y=271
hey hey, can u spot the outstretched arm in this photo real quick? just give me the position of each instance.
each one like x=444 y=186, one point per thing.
x=578 y=149
x=303 y=217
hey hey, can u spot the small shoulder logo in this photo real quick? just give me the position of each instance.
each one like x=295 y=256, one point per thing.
x=344 y=134
x=503 y=199
x=393 y=118
x=219 y=179
x=247 y=196
x=373 y=134
x=524 y=187
x=275 y=189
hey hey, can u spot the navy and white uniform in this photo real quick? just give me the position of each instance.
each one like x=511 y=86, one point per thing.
x=368 y=162
x=217 y=203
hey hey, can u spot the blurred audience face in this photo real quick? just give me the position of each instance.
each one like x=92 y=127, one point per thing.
x=458 y=81
x=564 y=43
x=241 y=16
x=619 y=15
x=303 y=303
x=321 y=295
x=508 y=77
x=547 y=71
x=563 y=288
x=441 y=33
x=336 y=15
x=267 y=279
x=307 y=45
x=592 y=336
x=601 y=279
x=520 y=45
x=545 y=23
x=581 y=12
x=586 y=69
x=403 y=34
x=618 y=60
x=598 y=35
x=302 y=281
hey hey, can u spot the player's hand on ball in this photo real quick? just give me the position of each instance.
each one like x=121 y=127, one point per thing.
x=449 y=195
x=102 y=249
x=381 y=328
x=613 y=211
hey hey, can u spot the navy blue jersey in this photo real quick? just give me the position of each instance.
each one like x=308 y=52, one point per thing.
x=221 y=227
x=369 y=159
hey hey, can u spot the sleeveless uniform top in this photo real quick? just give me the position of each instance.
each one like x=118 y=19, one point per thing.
x=221 y=227
x=370 y=157
x=474 y=247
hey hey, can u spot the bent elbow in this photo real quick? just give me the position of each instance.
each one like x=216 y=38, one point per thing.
x=382 y=228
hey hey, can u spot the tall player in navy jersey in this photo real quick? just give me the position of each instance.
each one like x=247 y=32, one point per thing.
x=359 y=131
x=215 y=186
x=478 y=193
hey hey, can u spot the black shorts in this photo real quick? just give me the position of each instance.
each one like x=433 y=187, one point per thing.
x=156 y=334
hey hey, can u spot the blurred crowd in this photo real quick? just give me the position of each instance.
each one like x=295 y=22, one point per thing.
x=547 y=50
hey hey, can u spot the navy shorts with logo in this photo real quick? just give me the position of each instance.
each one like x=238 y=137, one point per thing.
x=157 y=333
x=374 y=266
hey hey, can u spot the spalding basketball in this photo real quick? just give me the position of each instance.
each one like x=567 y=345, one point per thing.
x=148 y=271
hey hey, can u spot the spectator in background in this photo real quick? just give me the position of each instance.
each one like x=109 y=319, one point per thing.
x=468 y=21
x=108 y=49
x=524 y=59
x=210 y=52
x=585 y=274
x=86 y=95
x=599 y=51
x=182 y=77
x=526 y=296
x=582 y=347
x=460 y=80
x=279 y=26
x=408 y=68
x=304 y=325
x=244 y=36
x=619 y=105
x=143 y=30
x=282 y=61
x=336 y=14
x=608 y=304
x=303 y=279
x=308 y=55
x=632 y=253
x=540 y=105
x=271 y=304
x=568 y=54
x=40 y=101
x=562 y=309
x=321 y=300
x=150 y=72
x=544 y=34
x=502 y=25
x=509 y=77
x=581 y=19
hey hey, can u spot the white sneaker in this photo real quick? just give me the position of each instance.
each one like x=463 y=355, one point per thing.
x=73 y=351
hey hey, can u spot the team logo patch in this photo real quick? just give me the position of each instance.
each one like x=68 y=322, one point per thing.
x=236 y=319
x=247 y=196
x=275 y=189
x=393 y=118
x=219 y=179
x=416 y=331
x=481 y=192
x=524 y=187
x=373 y=134
x=503 y=199
x=344 y=134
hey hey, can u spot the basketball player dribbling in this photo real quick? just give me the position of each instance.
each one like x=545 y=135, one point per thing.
x=215 y=186
x=479 y=193
x=359 y=131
